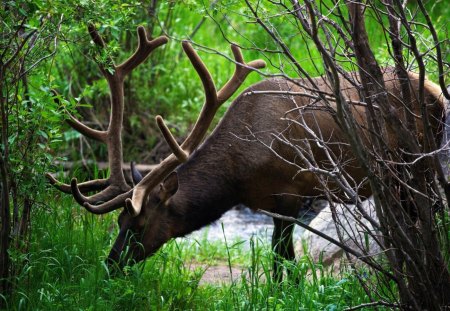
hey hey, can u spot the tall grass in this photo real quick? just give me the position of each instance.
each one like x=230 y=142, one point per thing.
x=64 y=270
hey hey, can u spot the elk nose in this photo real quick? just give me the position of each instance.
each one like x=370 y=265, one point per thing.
x=115 y=262
x=115 y=268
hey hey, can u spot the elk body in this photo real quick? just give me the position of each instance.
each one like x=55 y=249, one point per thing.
x=245 y=161
x=236 y=164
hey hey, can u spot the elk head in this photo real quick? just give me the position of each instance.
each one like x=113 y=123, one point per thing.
x=144 y=220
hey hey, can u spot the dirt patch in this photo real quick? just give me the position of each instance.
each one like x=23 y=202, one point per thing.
x=220 y=273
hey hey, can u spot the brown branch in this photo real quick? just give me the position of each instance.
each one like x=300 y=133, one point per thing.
x=374 y=304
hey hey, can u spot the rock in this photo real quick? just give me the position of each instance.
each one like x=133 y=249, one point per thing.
x=353 y=228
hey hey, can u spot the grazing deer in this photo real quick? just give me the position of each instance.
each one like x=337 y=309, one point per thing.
x=242 y=161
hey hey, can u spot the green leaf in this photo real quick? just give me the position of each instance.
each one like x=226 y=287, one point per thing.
x=42 y=134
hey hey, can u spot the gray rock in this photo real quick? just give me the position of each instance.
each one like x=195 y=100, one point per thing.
x=355 y=230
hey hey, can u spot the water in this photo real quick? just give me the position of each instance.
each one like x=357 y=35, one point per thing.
x=241 y=224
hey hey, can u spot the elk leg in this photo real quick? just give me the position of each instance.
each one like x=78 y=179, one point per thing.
x=282 y=246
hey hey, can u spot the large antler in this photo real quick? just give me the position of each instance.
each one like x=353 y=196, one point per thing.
x=213 y=101
x=114 y=189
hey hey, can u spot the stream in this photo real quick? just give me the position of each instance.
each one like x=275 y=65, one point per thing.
x=241 y=224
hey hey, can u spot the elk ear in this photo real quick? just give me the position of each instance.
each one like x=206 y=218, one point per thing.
x=168 y=187
x=136 y=176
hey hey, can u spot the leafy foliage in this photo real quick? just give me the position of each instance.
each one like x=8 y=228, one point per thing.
x=58 y=263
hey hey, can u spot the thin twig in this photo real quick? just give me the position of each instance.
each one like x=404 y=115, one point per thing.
x=358 y=255
x=373 y=304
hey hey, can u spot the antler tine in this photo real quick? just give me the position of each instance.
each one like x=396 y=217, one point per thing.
x=241 y=72
x=210 y=108
x=98 y=40
x=85 y=187
x=77 y=125
x=171 y=141
x=144 y=48
x=57 y=184
x=86 y=130
x=195 y=137
x=202 y=71
x=109 y=206
x=102 y=196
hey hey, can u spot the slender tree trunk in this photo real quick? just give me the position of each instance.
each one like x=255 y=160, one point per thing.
x=5 y=230
x=4 y=239
x=5 y=215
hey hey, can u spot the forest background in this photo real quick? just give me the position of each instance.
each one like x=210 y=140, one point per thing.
x=56 y=249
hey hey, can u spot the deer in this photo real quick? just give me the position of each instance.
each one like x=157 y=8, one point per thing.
x=242 y=161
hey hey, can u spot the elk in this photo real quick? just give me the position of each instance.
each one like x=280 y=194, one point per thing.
x=242 y=161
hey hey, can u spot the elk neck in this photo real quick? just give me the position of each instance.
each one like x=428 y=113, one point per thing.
x=205 y=192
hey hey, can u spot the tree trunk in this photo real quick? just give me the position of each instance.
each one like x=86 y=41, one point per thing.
x=5 y=285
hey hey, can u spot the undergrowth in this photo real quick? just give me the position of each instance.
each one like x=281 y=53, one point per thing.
x=64 y=270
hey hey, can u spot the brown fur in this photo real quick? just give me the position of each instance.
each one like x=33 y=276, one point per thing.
x=233 y=166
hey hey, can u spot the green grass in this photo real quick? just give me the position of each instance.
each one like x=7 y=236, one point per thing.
x=64 y=270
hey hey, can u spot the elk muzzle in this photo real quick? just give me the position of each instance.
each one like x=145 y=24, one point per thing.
x=127 y=250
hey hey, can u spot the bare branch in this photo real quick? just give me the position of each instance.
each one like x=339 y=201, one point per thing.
x=358 y=255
